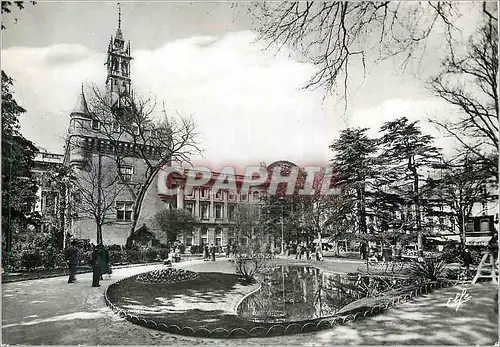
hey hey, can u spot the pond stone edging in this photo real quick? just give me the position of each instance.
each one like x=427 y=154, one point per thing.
x=277 y=329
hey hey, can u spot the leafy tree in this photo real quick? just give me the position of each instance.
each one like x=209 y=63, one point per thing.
x=175 y=222
x=354 y=159
x=458 y=186
x=18 y=182
x=405 y=151
x=470 y=82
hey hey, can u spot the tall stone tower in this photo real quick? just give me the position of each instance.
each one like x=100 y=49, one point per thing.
x=118 y=81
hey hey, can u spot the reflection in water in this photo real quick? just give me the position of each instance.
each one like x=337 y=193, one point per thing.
x=293 y=293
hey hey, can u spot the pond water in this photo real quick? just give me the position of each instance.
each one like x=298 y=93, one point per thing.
x=294 y=293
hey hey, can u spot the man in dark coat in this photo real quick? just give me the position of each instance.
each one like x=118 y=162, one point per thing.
x=96 y=267
x=467 y=258
x=72 y=259
x=212 y=251
x=103 y=259
x=206 y=252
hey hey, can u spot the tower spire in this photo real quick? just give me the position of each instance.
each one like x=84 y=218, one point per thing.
x=119 y=35
x=119 y=16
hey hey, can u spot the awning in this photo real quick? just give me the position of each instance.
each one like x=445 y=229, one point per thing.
x=477 y=241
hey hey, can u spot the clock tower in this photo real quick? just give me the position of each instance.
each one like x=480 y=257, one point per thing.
x=118 y=64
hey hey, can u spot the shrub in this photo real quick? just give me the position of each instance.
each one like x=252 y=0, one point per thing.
x=114 y=248
x=431 y=269
x=116 y=256
x=150 y=254
x=195 y=249
x=169 y=275
x=250 y=261
x=134 y=256
x=182 y=248
x=31 y=259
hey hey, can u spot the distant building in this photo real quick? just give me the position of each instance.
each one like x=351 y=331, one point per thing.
x=49 y=205
x=87 y=144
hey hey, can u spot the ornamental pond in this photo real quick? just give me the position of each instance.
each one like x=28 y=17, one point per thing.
x=297 y=293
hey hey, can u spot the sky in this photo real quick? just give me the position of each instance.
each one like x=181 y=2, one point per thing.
x=205 y=60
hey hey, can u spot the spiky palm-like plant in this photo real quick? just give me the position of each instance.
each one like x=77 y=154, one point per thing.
x=431 y=269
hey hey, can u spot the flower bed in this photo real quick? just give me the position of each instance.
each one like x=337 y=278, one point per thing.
x=169 y=275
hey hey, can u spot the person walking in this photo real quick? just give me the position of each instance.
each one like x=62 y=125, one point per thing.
x=206 y=254
x=96 y=267
x=308 y=252
x=227 y=251
x=71 y=255
x=212 y=251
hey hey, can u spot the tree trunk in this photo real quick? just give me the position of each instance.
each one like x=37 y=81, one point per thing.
x=138 y=203
x=99 y=233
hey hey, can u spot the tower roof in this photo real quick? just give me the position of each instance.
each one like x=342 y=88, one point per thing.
x=119 y=34
x=81 y=106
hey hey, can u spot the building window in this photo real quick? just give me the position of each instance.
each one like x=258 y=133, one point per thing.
x=204 y=211
x=204 y=236
x=95 y=124
x=189 y=208
x=124 y=211
x=231 y=209
x=189 y=238
x=204 y=193
x=218 y=195
x=218 y=211
x=189 y=191
x=244 y=197
x=231 y=196
x=485 y=225
x=126 y=173
x=218 y=237
x=470 y=226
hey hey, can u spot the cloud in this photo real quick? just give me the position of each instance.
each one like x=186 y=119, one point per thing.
x=247 y=102
x=414 y=110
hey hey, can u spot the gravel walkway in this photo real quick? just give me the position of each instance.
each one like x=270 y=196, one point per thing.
x=50 y=311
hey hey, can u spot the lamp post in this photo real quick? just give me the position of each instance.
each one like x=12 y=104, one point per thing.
x=282 y=233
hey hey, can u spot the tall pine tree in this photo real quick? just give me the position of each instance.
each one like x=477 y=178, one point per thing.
x=405 y=151
x=19 y=185
x=354 y=159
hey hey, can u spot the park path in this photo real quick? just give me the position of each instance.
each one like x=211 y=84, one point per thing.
x=50 y=311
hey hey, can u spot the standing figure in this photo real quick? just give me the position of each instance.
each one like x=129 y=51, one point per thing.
x=212 y=252
x=493 y=245
x=104 y=260
x=72 y=259
x=206 y=255
x=318 y=252
x=96 y=267
x=363 y=250
x=467 y=258
x=227 y=251
x=299 y=252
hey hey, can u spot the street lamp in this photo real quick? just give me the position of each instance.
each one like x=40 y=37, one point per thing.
x=282 y=228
